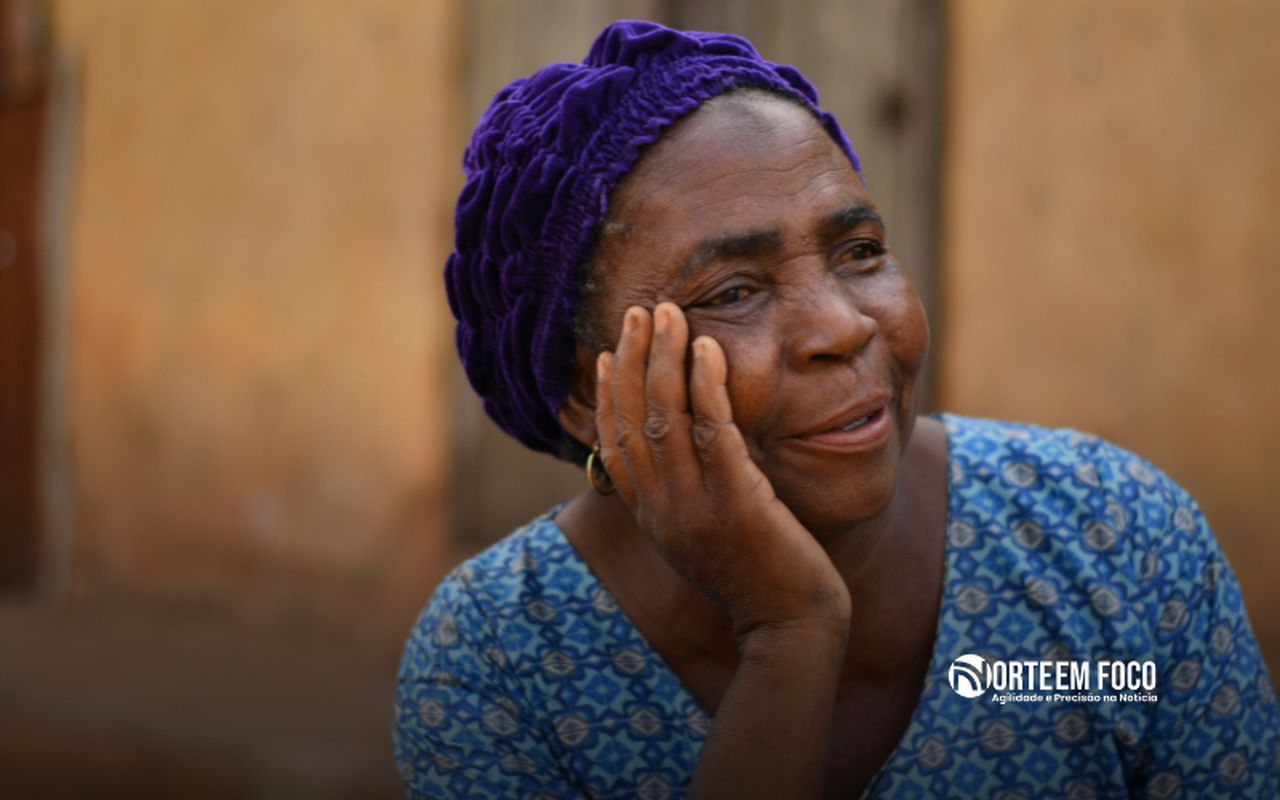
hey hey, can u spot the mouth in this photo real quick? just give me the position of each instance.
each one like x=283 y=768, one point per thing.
x=864 y=427
x=857 y=423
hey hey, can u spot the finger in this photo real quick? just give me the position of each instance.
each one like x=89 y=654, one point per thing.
x=667 y=425
x=629 y=368
x=606 y=428
x=718 y=441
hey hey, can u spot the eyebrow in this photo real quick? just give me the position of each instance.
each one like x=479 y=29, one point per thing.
x=720 y=248
x=850 y=217
x=752 y=243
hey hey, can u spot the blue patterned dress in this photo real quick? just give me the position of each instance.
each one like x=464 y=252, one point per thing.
x=524 y=679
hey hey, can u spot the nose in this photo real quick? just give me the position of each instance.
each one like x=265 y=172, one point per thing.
x=829 y=324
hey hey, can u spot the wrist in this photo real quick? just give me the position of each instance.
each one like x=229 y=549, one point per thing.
x=822 y=614
x=805 y=642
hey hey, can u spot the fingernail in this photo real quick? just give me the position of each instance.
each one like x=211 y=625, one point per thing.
x=661 y=319
x=699 y=348
x=600 y=368
x=629 y=321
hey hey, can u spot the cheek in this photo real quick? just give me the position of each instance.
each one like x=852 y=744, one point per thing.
x=754 y=372
x=905 y=321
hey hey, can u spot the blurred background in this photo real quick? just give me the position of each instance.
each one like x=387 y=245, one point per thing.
x=236 y=454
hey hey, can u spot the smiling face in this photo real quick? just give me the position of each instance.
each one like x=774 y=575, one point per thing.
x=750 y=218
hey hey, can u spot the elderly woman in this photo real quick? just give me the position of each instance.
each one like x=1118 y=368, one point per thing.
x=782 y=583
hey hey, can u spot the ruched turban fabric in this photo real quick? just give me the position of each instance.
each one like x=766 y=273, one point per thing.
x=539 y=170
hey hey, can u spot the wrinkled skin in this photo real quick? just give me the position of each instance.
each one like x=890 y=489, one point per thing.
x=756 y=414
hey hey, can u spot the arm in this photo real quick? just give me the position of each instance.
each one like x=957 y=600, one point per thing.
x=683 y=468
x=462 y=729
x=1216 y=729
x=771 y=732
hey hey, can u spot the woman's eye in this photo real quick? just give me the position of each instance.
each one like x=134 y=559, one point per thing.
x=862 y=251
x=728 y=296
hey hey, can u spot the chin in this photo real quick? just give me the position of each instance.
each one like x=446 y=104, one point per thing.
x=832 y=505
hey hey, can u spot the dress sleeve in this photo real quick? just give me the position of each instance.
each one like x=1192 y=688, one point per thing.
x=463 y=727
x=1215 y=730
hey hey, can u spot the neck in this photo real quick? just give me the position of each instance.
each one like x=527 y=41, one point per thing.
x=893 y=563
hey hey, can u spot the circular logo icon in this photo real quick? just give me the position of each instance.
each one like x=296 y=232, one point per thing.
x=969 y=675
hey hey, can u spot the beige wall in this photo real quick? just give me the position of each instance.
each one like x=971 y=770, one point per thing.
x=1111 y=259
x=261 y=418
x=261 y=369
x=260 y=353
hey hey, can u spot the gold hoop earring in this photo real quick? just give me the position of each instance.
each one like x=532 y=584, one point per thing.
x=603 y=484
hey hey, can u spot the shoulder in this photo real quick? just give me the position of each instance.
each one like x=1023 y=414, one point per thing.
x=1116 y=560
x=462 y=700
x=1079 y=528
x=978 y=443
x=1064 y=476
x=1065 y=547
x=524 y=668
x=526 y=576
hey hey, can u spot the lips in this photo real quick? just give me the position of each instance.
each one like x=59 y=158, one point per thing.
x=868 y=425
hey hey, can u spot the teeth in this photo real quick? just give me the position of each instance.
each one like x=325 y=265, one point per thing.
x=860 y=421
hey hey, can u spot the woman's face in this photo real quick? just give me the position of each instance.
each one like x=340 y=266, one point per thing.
x=750 y=218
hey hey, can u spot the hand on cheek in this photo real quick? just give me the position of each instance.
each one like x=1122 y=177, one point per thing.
x=669 y=442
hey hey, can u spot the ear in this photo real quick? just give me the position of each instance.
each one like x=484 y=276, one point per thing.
x=578 y=414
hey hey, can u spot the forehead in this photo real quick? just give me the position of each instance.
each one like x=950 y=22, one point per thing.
x=747 y=160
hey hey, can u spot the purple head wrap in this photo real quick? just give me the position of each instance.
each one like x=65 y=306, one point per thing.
x=539 y=169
